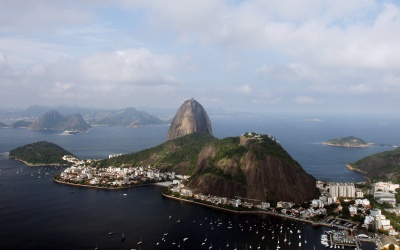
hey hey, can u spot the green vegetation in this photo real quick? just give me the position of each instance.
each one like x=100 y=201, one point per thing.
x=381 y=166
x=169 y=155
x=349 y=141
x=268 y=147
x=40 y=153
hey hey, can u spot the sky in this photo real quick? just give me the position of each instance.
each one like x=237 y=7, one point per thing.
x=255 y=55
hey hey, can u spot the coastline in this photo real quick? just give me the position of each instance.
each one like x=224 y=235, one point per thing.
x=313 y=223
x=351 y=168
x=98 y=187
x=38 y=164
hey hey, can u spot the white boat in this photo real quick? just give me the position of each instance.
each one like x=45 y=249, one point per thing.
x=140 y=241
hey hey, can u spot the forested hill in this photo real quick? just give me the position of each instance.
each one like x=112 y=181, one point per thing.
x=40 y=153
x=251 y=166
x=380 y=166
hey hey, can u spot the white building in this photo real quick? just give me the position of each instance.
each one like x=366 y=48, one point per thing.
x=342 y=189
x=385 y=186
x=352 y=210
x=364 y=202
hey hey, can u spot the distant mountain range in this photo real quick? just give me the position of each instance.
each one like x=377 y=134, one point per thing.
x=127 y=117
x=21 y=124
x=2 y=125
x=54 y=120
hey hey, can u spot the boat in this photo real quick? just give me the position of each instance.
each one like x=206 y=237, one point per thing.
x=123 y=237
x=140 y=241
x=111 y=232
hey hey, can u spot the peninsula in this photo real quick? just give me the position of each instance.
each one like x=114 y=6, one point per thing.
x=348 y=142
x=40 y=153
x=380 y=166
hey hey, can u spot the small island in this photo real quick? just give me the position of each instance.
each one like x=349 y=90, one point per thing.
x=349 y=142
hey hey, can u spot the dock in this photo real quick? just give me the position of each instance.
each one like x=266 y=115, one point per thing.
x=341 y=239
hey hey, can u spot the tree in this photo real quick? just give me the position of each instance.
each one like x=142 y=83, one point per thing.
x=391 y=247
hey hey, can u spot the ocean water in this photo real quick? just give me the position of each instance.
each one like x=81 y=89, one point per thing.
x=36 y=213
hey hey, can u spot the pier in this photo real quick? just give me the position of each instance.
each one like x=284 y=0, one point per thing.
x=341 y=239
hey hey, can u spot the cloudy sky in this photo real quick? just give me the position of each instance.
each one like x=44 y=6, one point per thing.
x=256 y=55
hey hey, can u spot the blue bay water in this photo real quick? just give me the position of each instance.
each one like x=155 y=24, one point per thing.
x=36 y=213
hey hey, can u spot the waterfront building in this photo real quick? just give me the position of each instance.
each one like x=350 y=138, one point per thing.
x=186 y=192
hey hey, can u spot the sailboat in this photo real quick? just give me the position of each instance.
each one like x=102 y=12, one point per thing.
x=140 y=242
x=305 y=240
x=111 y=232
x=123 y=237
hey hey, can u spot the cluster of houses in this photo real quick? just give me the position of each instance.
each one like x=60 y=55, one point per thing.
x=112 y=176
x=330 y=192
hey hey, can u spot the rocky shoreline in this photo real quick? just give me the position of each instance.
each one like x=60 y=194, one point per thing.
x=350 y=167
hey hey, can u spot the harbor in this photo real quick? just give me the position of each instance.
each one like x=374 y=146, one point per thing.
x=341 y=239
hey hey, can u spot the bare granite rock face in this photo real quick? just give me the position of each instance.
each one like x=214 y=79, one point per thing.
x=191 y=117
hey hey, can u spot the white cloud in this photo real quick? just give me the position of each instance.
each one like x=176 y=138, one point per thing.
x=244 y=89
x=41 y=15
x=305 y=100
x=114 y=76
x=304 y=51
x=135 y=66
